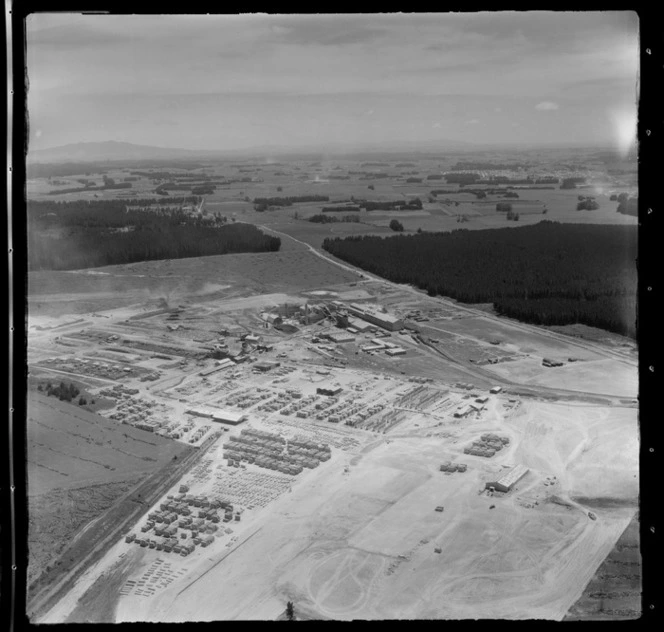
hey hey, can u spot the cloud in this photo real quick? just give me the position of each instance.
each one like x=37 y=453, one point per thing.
x=472 y=122
x=497 y=109
x=436 y=125
x=545 y=106
x=369 y=112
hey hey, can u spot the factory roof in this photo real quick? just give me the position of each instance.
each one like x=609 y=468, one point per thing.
x=375 y=312
x=341 y=337
x=511 y=477
x=216 y=413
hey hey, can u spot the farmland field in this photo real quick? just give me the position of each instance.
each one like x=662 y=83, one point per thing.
x=56 y=516
x=70 y=447
x=79 y=465
x=615 y=590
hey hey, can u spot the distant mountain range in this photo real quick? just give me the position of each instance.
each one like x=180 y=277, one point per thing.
x=107 y=151
x=114 y=150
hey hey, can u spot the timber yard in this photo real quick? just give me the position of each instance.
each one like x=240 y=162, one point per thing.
x=354 y=448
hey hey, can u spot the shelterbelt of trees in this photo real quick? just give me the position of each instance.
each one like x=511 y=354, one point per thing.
x=545 y=274
x=83 y=234
x=330 y=219
x=399 y=205
x=262 y=204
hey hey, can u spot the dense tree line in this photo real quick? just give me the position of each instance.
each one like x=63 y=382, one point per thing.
x=170 y=175
x=289 y=201
x=163 y=189
x=413 y=180
x=95 y=247
x=570 y=183
x=462 y=178
x=333 y=177
x=435 y=176
x=64 y=392
x=394 y=205
x=203 y=190
x=506 y=180
x=480 y=194
x=536 y=188
x=486 y=166
x=339 y=209
x=548 y=273
x=73 y=235
x=374 y=164
x=373 y=176
x=106 y=214
x=92 y=186
x=406 y=164
x=330 y=219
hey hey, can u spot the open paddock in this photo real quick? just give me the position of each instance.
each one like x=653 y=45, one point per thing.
x=68 y=446
x=513 y=337
x=314 y=234
x=51 y=292
x=604 y=376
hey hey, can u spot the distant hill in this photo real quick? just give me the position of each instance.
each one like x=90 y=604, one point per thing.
x=114 y=150
x=111 y=150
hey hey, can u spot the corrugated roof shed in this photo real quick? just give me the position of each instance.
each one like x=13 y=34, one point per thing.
x=511 y=477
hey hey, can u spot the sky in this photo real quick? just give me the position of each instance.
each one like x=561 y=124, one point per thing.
x=223 y=82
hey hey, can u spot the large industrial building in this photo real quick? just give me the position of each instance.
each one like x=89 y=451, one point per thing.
x=341 y=337
x=216 y=414
x=372 y=315
x=509 y=479
x=359 y=325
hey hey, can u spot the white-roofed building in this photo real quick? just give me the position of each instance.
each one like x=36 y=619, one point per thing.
x=216 y=414
x=376 y=317
x=509 y=479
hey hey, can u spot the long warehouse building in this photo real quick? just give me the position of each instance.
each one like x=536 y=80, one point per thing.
x=372 y=315
x=509 y=479
x=216 y=414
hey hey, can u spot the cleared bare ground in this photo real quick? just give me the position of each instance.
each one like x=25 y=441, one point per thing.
x=54 y=293
x=334 y=544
